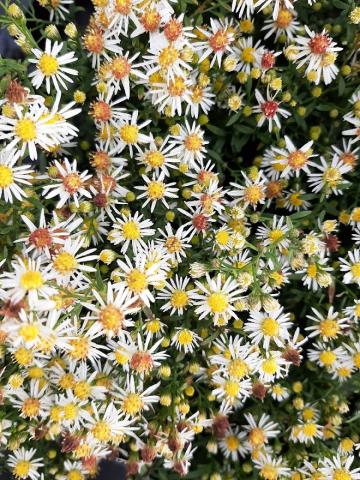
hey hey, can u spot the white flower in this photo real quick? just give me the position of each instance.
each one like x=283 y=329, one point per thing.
x=178 y=296
x=130 y=230
x=338 y=467
x=11 y=176
x=156 y=190
x=23 y=465
x=50 y=66
x=134 y=399
x=329 y=179
x=266 y=328
x=351 y=267
x=269 y=110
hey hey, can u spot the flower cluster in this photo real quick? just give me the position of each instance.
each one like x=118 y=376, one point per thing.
x=180 y=240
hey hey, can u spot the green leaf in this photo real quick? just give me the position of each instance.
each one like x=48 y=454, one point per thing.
x=216 y=130
x=233 y=119
x=299 y=215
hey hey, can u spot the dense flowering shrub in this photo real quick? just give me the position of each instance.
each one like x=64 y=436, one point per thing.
x=180 y=240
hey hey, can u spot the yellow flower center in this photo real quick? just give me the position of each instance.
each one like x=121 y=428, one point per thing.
x=129 y=134
x=6 y=176
x=177 y=87
x=356 y=359
x=217 y=302
x=29 y=332
x=65 y=263
x=269 y=472
x=231 y=388
x=48 y=65
x=131 y=230
x=25 y=129
x=355 y=270
x=22 y=469
x=136 y=281
x=232 y=443
x=121 y=357
x=185 y=337
x=284 y=18
x=332 y=176
x=156 y=190
x=193 y=142
x=153 y=326
x=253 y=194
x=276 y=235
x=309 y=429
x=308 y=414
x=75 y=475
x=80 y=348
x=70 y=411
x=173 y=244
x=329 y=328
x=312 y=270
x=222 y=237
x=269 y=366
x=31 y=280
x=238 y=368
x=270 y=327
x=155 y=159
x=247 y=55
x=341 y=474
x=23 y=356
x=82 y=390
x=257 y=437
x=31 y=407
x=67 y=381
x=327 y=358
x=102 y=431
x=111 y=318
x=179 y=299
x=132 y=404
x=168 y=56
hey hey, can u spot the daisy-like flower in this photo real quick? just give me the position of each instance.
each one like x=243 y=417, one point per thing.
x=70 y=186
x=100 y=43
x=11 y=176
x=230 y=390
x=30 y=279
x=34 y=403
x=121 y=67
x=158 y=158
x=106 y=112
x=185 y=340
x=352 y=132
x=138 y=277
x=329 y=177
x=134 y=399
x=294 y=160
x=36 y=126
x=294 y=200
x=156 y=190
x=326 y=356
x=210 y=199
x=279 y=392
x=130 y=230
x=199 y=99
x=347 y=154
x=248 y=54
x=351 y=267
x=271 y=468
x=319 y=52
x=244 y=8
x=68 y=263
x=142 y=358
x=217 y=298
x=81 y=345
x=316 y=274
x=274 y=235
x=112 y=313
x=107 y=424
x=269 y=110
x=166 y=59
x=337 y=467
x=129 y=135
x=283 y=23
x=178 y=296
x=218 y=41
x=23 y=464
x=50 y=66
x=266 y=328
x=169 y=95
x=260 y=430
x=328 y=326
x=47 y=237
x=272 y=366
x=190 y=144
x=233 y=444
x=252 y=193
x=176 y=243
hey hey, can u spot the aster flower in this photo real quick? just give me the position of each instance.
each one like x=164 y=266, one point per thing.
x=12 y=177
x=50 y=66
